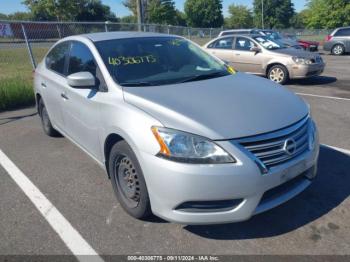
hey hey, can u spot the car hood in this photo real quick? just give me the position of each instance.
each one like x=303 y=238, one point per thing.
x=221 y=108
x=294 y=52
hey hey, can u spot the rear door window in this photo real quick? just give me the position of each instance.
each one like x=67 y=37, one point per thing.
x=222 y=43
x=244 y=44
x=56 y=58
x=343 y=32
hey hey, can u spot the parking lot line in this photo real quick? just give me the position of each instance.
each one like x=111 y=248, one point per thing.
x=330 y=97
x=69 y=235
x=342 y=150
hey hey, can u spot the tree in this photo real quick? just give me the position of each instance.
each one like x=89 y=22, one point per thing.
x=23 y=16
x=328 y=14
x=299 y=19
x=95 y=11
x=131 y=5
x=53 y=9
x=180 y=18
x=277 y=13
x=3 y=16
x=155 y=11
x=161 y=12
x=240 y=16
x=204 y=13
x=66 y=10
x=128 y=19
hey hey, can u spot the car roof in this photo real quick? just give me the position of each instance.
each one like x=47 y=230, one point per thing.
x=238 y=30
x=238 y=35
x=96 y=37
x=344 y=27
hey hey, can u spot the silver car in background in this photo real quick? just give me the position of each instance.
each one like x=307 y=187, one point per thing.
x=338 y=42
x=287 y=42
x=261 y=55
x=180 y=134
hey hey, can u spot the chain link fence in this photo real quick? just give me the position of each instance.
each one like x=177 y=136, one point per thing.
x=23 y=44
x=27 y=42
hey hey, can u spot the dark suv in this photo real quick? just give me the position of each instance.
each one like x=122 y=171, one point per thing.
x=338 y=42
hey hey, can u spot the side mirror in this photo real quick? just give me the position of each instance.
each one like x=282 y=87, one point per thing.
x=81 y=80
x=255 y=49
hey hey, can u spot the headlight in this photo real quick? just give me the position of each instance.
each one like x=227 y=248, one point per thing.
x=302 y=60
x=312 y=134
x=187 y=148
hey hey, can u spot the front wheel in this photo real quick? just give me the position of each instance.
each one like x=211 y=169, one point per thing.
x=128 y=181
x=45 y=121
x=338 y=50
x=278 y=74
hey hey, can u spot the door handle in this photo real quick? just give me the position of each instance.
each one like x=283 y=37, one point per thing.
x=43 y=84
x=64 y=96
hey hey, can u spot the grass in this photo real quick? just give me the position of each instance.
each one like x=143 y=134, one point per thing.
x=16 y=87
x=15 y=93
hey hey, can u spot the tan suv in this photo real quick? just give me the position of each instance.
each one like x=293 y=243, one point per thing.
x=261 y=55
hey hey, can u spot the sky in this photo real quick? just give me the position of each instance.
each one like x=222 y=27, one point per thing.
x=10 y=6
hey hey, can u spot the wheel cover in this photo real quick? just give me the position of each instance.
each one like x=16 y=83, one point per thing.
x=127 y=181
x=277 y=75
x=338 y=50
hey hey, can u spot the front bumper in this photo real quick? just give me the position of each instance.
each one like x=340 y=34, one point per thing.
x=172 y=184
x=304 y=71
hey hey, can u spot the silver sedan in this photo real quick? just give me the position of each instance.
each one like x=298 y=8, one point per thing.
x=179 y=133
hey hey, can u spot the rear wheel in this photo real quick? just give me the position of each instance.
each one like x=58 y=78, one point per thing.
x=128 y=181
x=338 y=49
x=45 y=121
x=278 y=74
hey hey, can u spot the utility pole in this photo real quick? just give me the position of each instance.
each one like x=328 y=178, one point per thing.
x=139 y=15
x=262 y=14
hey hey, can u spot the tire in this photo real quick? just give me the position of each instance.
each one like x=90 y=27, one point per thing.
x=45 y=121
x=128 y=181
x=338 y=49
x=278 y=74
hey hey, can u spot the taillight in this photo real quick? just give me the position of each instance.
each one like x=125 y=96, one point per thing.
x=328 y=38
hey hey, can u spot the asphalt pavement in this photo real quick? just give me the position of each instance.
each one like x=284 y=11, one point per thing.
x=315 y=222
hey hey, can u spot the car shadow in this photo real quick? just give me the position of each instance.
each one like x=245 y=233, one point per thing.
x=6 y=120
x=329 y=189
x=314 y=81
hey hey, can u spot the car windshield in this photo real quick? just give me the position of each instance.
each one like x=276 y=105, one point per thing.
x=146 y=61
x=268 y=43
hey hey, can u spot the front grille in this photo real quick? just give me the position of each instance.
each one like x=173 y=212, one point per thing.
x=278 y=147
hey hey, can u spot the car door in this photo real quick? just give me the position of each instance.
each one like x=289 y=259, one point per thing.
x=222 y=48
x=245 y=59
x=81 y=106
x=51 y=79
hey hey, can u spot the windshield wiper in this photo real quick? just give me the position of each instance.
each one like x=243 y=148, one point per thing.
x=204 y=76
x=137 y=84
